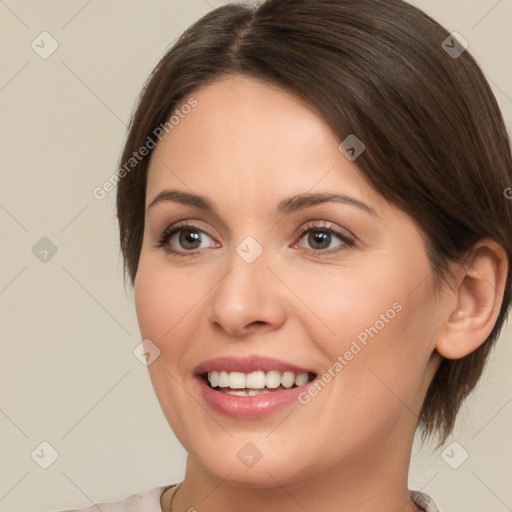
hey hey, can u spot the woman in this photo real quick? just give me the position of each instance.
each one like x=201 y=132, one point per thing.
x=312 y=214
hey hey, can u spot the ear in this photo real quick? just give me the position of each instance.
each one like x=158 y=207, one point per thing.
x=479 y=287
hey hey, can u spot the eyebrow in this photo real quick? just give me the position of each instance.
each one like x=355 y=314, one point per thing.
x=291 y=204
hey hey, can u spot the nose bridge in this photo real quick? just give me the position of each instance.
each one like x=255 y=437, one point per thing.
x=247 y=292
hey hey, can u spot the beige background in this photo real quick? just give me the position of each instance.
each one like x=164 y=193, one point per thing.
x=68 y=329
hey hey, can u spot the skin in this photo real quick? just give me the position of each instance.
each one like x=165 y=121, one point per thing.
x=246 y=146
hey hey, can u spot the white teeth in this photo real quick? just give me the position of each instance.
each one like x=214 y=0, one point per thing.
x=238 y=393
x=288 y=379
x=256 y=381
x=301 y=379
x=273 y=379
x=247 y=392
x=223 y=379
x=213 y=377
x=237 y=380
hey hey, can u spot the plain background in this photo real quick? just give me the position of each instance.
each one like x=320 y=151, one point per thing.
x=68 y=328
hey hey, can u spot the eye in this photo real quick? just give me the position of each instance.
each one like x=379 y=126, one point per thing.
x=188 y=237
x=320 y=238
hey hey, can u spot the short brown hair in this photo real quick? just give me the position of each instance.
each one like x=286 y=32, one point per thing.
x=436 y=143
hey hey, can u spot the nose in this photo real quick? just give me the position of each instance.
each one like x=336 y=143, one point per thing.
x=247 y=297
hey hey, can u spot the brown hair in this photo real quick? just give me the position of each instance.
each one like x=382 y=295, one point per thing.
x=436 y=143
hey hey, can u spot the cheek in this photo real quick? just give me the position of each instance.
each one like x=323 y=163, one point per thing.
x=162 y=301
x=382 y=324
x=347 y=304
x=164 y=308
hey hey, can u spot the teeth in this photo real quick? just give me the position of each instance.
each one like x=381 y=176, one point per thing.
x=223 y=379
x=288 y=379
x=236 y=380
x=301 y=379
x=273 y=380
x=238 y=393
x=213 y=377
x=247 y=392
x=255 y=381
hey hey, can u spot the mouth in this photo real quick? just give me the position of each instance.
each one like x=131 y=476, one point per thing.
x=255 y=383
x=252 y=386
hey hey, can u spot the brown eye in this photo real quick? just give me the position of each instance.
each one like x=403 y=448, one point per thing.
x=189 y=239
x=184 y=240
x=319 y=239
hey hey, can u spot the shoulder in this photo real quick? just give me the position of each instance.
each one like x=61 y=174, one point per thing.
x=148 y=501
x=424 y=501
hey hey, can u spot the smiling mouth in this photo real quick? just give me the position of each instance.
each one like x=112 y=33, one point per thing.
x=255 y=383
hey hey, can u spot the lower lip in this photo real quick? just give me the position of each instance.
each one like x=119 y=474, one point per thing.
x=249 y=407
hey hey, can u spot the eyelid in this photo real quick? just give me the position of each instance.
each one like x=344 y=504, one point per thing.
x=174 y=225
x=322 y=224
x=192 y=224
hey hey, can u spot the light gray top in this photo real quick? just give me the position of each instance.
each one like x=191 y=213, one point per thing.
x=149 y=501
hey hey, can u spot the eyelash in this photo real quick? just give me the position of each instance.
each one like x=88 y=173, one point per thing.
x=322 y=228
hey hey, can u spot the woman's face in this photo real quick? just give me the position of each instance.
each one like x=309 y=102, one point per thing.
x=341 y=289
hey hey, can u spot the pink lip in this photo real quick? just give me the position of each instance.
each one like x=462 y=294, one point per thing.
x=248 y=407
x=247 y=365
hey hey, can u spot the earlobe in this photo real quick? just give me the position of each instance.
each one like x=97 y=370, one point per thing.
x=479 y=289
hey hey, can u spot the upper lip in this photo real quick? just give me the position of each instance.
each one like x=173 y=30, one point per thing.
x=248 y=364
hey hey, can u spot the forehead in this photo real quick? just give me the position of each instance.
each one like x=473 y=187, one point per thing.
x=246 y=136
x=240 y=114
